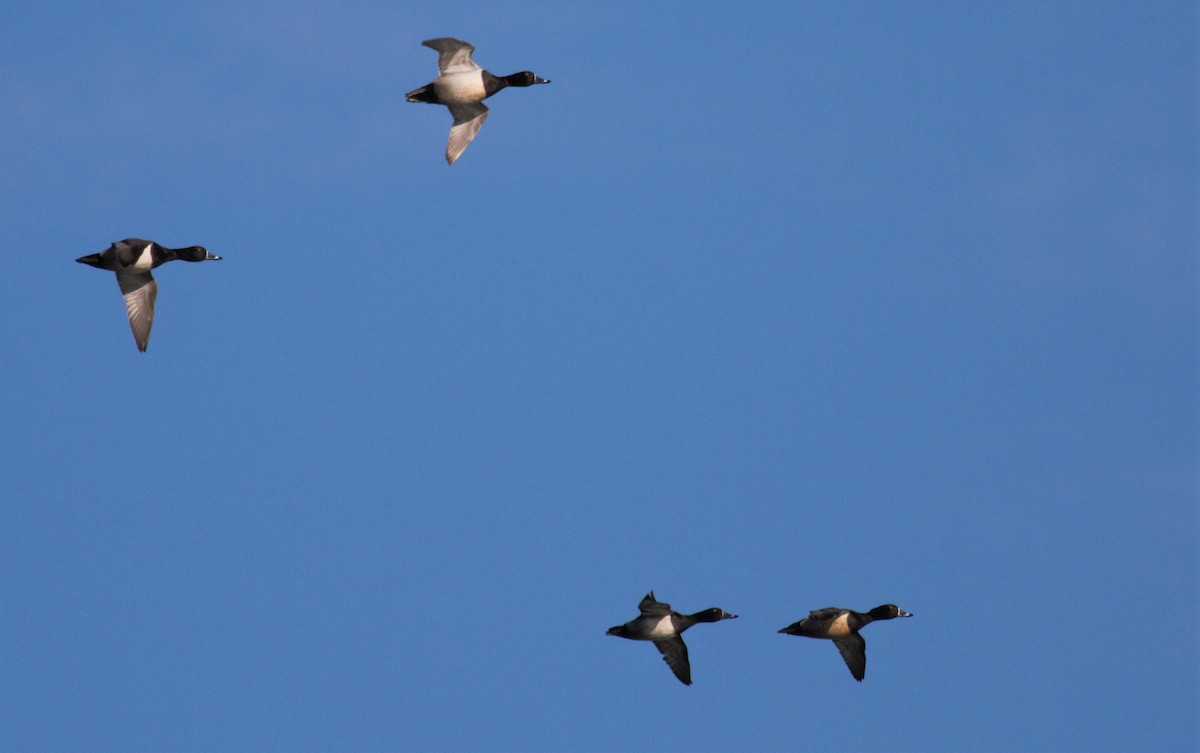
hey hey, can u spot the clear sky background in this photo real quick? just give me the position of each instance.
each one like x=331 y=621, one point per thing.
x=767 y=306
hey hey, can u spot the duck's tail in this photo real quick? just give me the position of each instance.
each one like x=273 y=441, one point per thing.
x=424 y=94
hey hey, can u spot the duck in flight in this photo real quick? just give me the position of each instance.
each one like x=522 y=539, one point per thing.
x=132 y=259
x=841 y=626
x=664 y=626
x=462 y=86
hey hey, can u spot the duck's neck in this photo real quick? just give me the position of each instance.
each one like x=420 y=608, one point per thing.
x=493 y=83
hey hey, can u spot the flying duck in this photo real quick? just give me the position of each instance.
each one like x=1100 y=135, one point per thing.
x=462 y=86
x=664 y=626
x=132 y=259
x=841 y=626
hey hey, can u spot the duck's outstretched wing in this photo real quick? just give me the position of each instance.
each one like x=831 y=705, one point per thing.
x=454 y=55
x=654 y=608
x=139 y=291
x=828 y=613
x=675 y=654
x=853 y=649
x=468 y=119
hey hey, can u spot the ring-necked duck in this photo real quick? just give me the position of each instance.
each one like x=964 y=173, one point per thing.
x=462 y=86
x=132 y=259
x=841 y=626
x=662 y=625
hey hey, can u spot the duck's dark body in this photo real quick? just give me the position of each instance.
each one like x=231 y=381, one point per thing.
x=841 y=626
x=132 y=259
x=664 y=626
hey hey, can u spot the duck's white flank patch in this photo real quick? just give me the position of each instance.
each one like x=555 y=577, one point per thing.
x=145 y=261
x=840 y=625
x=664 y=629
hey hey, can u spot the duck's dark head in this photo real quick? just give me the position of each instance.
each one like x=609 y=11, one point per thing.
x=888 y=612
x=525 y=78
x=196 y=253
x=714 y=614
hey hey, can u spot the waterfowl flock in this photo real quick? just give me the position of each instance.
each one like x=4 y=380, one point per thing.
x=461 y=86
x=664 y=627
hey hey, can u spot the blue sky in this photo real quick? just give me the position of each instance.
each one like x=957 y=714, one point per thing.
x=768 y=307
